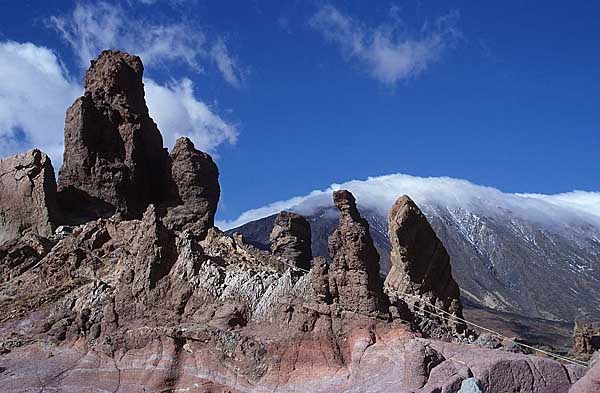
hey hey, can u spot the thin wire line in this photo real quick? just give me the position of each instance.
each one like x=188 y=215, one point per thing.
x=560 y=357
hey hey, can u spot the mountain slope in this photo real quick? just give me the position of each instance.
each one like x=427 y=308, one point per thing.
x=533 y=255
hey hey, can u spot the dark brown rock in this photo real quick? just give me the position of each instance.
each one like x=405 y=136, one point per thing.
x=114 y=158
x=354 y=270
x=291 y=239
x=27 y=196
x=421 y=273
x=586 y=337
x=19 y=255
x=196 y=189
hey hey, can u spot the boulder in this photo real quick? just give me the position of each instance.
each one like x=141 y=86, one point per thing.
x=421 y=273
x=27 y=196
x=195 y=189
x=354 y=270
x=291 y=239
x=470 y=385
x=114 y=158
x=589 y=383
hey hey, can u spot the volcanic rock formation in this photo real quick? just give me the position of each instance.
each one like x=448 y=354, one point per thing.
x=114 y=158
x=27 y=196
x=421 y=273
x=291 y=239
x=196 y=189
x=156 y=299
x=354 y=271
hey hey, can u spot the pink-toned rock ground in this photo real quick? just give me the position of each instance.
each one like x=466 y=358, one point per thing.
x=371 y=360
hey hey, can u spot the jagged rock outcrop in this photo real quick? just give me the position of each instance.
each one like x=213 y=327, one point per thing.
x=196 y=190
x=320 y=280
x=156 y=299
x=114 y=158
x=354 y=271
x=291 y=240
x=586 y=336
x=421 y=274
x=19 y=255
x=27 y=196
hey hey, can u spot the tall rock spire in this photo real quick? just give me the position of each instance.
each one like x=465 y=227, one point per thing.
x=420 y=263
x=114 y=158
x=354 y=270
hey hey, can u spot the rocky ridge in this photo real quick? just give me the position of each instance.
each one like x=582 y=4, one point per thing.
x=145 y=294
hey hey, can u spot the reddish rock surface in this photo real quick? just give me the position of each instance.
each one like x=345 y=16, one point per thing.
x=155 y=299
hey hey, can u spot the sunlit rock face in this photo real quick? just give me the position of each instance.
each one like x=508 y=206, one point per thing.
x=154 y=298
x=420 y=263
x=27 y=196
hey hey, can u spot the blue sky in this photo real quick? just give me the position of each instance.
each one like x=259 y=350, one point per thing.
x=292 y=96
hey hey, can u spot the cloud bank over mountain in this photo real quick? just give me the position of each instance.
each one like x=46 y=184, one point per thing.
x=379 y=193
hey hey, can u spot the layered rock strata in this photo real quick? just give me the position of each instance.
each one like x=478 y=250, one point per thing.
x=143 y=301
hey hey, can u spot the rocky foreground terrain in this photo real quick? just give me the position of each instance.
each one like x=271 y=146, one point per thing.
x=501 y=246
x=114 y=279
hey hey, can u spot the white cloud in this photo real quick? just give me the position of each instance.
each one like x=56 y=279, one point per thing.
x=93 y=27
x=178 y=113
x=226 y=64
x=379 y=193
x=387 y=52
x=35 y=91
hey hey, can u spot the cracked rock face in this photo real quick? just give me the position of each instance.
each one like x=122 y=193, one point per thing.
x=420 y=262
x=354 y=270
x=27 y=196
x=291 y=239
x=114 y=158
x=196 y=189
